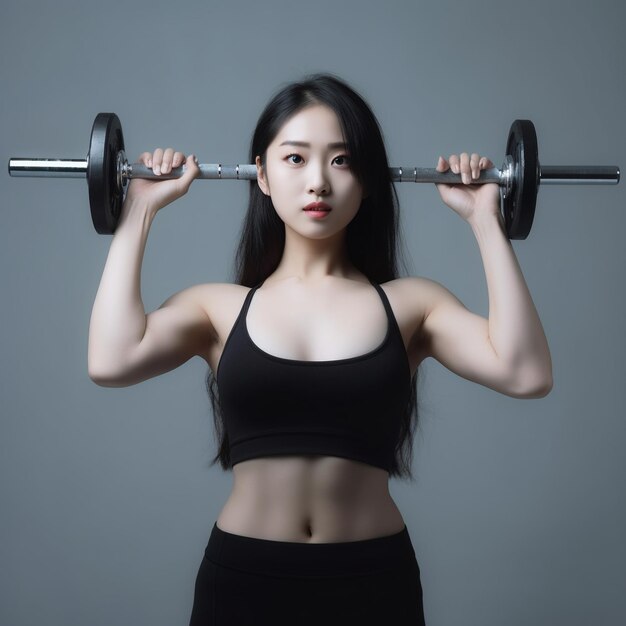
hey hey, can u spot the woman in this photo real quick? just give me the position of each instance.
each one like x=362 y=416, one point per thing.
x=315 y=350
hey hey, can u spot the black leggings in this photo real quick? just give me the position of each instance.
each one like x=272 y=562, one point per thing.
x=244 y=581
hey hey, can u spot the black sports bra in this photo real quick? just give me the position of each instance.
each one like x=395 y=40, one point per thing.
x=349 y=408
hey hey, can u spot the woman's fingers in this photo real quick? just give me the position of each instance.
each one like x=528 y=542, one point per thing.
x=145 y=157
x=178 y=159
x=442 y=165
x=171 y=159
x=454 y=163
x=474 y=165
x=460 y=164
x=469 y=166
x=162 y=161
x=166 y=162
x=155 y=162
x=191 y=170
x=465 y=168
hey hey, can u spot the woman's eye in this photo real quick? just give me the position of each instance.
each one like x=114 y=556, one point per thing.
x=344 y=159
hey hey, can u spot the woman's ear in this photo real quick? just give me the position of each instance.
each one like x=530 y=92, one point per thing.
x=260 y=177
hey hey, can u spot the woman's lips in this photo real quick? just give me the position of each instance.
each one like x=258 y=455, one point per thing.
x=317 y=214
x=317 y=206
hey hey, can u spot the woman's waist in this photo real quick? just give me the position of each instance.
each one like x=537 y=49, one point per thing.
x=301 y=517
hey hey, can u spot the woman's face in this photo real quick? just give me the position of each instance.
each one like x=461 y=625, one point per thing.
x=315 y=170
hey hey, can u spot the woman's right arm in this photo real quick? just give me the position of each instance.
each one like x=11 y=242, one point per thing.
x=118 y=320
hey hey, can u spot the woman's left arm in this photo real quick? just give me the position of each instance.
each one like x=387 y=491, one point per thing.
x=514 y=327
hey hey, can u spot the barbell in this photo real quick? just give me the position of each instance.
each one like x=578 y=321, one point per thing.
x=108 y=173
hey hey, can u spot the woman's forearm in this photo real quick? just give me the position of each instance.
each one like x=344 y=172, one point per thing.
x=118 y=318
x=515 y=330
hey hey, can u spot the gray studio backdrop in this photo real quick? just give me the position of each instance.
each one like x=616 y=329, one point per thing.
x=518 y=509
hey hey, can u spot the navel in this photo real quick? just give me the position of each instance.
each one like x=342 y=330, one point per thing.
x=308 y=529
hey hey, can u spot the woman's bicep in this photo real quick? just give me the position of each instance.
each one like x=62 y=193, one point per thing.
x=175 y=332
x=459 y=340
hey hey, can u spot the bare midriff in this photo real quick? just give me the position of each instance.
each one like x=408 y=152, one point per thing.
x=310 y=499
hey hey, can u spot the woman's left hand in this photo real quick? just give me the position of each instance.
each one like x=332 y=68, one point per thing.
x=469 y=201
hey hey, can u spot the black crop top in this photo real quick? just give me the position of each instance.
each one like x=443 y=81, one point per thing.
x=348 y=408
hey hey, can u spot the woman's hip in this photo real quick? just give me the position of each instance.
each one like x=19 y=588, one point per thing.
x=244 y=580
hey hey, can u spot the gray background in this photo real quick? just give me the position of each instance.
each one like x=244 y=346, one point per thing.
x=518 y=511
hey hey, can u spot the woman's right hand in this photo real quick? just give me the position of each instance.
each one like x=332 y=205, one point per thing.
x=158 y=193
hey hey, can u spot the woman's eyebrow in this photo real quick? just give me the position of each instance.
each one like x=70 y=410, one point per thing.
x=304 y=144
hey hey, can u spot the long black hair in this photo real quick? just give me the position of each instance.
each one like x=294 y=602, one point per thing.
x=373 y=237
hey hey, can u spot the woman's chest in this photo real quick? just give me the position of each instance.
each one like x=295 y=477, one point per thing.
x=321 y=327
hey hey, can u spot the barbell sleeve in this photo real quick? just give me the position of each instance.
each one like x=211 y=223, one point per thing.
x=579 y=175
x=48 y=168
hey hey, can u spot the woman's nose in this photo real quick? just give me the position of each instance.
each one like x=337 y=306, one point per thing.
x=318 y=181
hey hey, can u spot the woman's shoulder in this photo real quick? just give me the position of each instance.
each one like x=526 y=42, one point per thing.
x=410 y=286
x=416 y=296
x=211 y=295
x=218 y=300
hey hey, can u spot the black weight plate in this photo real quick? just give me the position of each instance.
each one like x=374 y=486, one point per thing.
x=105 y=195
x=519 y=205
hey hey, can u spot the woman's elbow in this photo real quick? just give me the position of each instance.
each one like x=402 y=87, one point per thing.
x=107 y=380
x=538 y=387
x=541 y=391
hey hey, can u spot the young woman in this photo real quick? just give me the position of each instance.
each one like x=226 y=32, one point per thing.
x=314 y=352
